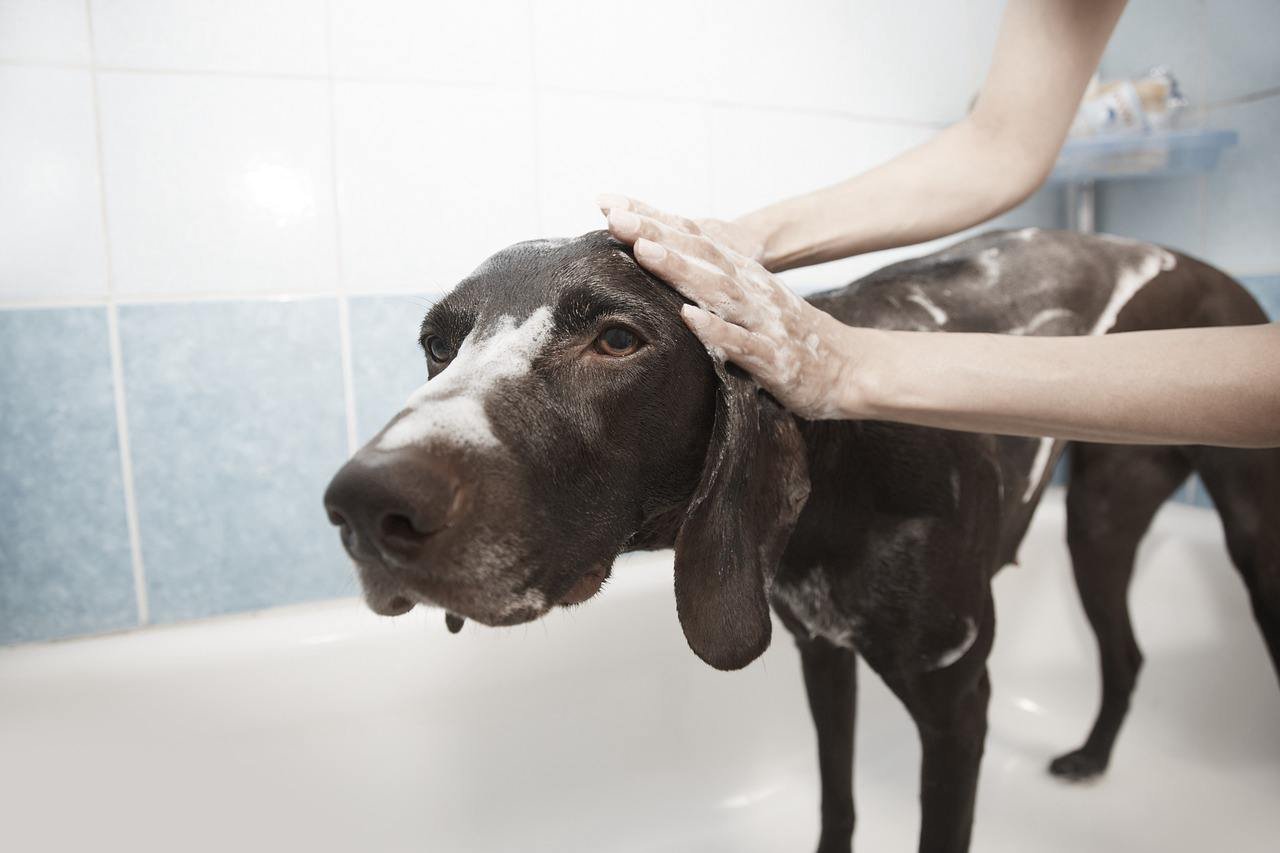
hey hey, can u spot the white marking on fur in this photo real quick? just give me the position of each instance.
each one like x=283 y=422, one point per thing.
x=810 y=602
x=1037 y=468
x=952 y=655
x=989 y=260
x=939 y=316
x=1026 y=233
x=1128 y=285
x=1046 y=316
x=532 y=599
x=451 y=406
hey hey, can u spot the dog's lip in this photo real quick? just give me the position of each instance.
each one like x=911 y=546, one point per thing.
x=586 y=586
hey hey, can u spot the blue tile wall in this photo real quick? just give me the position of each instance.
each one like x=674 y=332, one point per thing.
x=237 y=421
x=386 y=362
x=1266 y=289
x=65 y=566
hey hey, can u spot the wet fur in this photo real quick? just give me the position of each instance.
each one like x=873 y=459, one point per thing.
x=867 y=538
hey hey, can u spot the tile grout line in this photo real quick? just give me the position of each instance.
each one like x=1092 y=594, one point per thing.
x=141 y=599
x=535 y=95
x=344 y=306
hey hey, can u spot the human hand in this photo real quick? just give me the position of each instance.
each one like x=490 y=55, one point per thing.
x=744 y=313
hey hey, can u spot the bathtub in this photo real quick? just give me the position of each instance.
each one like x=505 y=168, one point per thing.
x=326 y=728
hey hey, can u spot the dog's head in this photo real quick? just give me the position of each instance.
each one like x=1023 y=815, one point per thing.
x=568 y=416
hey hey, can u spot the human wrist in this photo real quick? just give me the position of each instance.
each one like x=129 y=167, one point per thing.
x=769 y=227
x=867 y=374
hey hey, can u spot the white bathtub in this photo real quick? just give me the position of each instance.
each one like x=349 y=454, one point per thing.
x=326 y=728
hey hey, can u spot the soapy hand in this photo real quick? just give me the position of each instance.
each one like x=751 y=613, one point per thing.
x=742 y=312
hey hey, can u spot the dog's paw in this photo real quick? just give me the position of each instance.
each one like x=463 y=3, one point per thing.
x=1077 y=766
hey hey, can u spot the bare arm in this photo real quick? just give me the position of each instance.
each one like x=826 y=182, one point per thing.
x=1181 y=386
x=974 y=170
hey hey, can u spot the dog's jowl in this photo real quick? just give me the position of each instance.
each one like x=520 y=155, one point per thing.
x=570 y=416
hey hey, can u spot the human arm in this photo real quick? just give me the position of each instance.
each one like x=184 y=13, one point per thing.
x=1184 y=386
x=981 y=166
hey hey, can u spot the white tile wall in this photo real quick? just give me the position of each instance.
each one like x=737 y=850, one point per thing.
x=51 y=240
x=281 y=146
x=587 y=144
x=659 y=47
x=44 y=31
x=217 y=184
x=477 y=41
x=250 y=36
x=431 y=180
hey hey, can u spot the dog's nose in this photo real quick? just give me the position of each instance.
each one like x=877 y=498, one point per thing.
x=390 y=504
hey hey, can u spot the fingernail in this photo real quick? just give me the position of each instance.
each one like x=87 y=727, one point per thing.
x=624 y=220
x=649 y=250
x=695 y=316
x=611 y=201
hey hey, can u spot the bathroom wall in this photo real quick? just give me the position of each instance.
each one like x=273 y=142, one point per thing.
x=220 y=223
x=1224 y=55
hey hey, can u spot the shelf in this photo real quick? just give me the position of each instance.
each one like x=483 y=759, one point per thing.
x=1156 y=155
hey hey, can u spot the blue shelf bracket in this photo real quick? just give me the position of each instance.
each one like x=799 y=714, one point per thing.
x=1085 y=161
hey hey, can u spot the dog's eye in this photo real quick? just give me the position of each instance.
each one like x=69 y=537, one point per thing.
x=438 y=349
x=617 y=341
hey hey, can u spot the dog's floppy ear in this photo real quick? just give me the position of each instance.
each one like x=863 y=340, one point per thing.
x=754 y=483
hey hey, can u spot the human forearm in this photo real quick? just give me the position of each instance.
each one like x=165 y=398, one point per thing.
x=964 y=175
x=1185 y=386
x=976 y=169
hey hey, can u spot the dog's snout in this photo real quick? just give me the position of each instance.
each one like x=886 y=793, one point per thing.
x=388 y=505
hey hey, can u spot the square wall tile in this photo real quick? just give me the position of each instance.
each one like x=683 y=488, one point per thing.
x=871 y=59
x=431 y=181
x=51 y=235
x=1241 y=38
x=588 y=144
x=386 y=362
x=1160 y=32
x=764 y=155
x=660 y=48
x=237 y=422
x=218 y=184
x=44 y=31
x=1162 y=211
x=480 y=41
x=1242 y=210
x=65 y=566
x=1265 y=289
x=276 y=36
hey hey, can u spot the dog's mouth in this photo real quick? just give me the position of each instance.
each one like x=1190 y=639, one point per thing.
x=586 y=586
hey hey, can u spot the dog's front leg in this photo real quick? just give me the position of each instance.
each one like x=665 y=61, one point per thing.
x=830 y=679
x=952 y=735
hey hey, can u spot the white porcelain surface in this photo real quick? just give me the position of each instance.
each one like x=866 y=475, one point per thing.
x=588 y=144
x=273 y=36
x=51 y=240
x=431 y=181
x=325 y=728
x=473 y=42
x=218 y=183
x=44 y=31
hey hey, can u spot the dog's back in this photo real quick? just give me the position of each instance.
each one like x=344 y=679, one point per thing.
x=940 y=511
x=1047 y=283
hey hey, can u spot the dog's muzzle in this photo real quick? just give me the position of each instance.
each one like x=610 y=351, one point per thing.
x=388 y=507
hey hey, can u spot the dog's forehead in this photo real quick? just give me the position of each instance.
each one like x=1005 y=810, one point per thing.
x=520 y=279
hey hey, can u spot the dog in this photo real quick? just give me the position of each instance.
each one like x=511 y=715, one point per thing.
x=569 y=416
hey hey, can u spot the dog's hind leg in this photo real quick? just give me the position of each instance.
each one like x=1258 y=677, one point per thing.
x=1113 y=494
x=830 y=679
x=1245 y=487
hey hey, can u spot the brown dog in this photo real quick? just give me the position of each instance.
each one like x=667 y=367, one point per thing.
x=571 y=416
